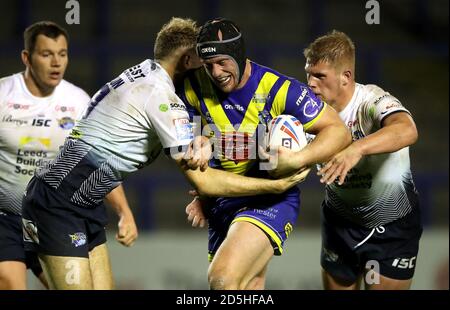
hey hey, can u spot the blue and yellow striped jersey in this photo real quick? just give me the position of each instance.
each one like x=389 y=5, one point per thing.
x=234 y=117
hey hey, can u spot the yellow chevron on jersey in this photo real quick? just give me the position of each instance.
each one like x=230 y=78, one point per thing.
x=279 y=103
x=251 y=120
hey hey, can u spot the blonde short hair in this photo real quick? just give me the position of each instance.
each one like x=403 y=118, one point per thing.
x=334 y=48
x=177 y=33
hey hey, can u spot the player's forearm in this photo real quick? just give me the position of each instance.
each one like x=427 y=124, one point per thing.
x=218 y=183
x=328 y=142
x=118 y=201
x=387 y=139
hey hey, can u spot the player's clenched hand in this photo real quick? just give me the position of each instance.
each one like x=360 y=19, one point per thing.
x=280 y=161
x=128 y=231
x=198 y=154
x=195 y=213
x=339 y=165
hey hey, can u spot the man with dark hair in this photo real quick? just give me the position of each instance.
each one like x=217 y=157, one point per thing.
x=47 y=28
x=234 y=95
x=37 y=110
x=370 y=214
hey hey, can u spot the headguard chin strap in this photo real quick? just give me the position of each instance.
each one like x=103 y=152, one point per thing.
x=221 y=37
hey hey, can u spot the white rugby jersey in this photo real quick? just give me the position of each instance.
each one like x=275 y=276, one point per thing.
x=31 y=131
x=126 y=125
x=379 y=188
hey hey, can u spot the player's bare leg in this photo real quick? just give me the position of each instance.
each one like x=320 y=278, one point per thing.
x=259 y=281
x=243 y=255
x=67 y=273
x=390 y=284
x=332 y=283
x=101 y=268
x=13 y=275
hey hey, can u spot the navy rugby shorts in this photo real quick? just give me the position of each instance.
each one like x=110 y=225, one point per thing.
x=348 y=249
x=275 y=215
x=55 y=226
x=12 y=245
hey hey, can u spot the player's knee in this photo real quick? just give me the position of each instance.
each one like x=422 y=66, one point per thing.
x=257 y=283
x=222 y=282
x=220 y=279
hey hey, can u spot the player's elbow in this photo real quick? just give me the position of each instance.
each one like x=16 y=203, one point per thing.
x=207 y=191
x=202 y=188
x=412 y=134
x=201 y=181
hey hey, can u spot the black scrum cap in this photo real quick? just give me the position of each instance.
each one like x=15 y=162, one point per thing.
x=222 y=37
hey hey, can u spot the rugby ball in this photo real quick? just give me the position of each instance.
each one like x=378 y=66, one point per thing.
x=286 y=130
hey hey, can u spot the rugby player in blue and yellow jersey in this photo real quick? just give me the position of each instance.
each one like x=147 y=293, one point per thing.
x=233 y=95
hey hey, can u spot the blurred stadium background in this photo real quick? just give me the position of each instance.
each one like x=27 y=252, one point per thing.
x=406 y=54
